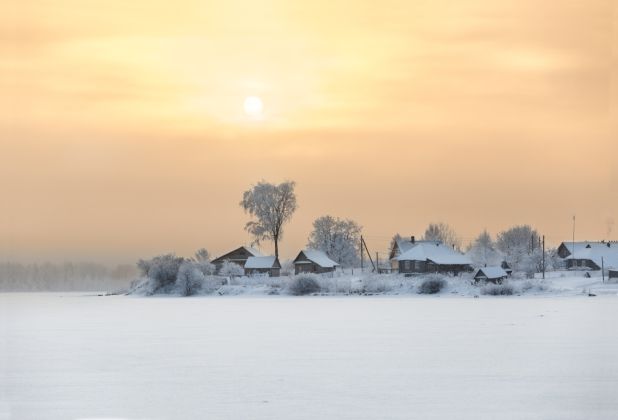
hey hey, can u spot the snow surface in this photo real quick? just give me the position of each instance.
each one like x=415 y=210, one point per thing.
x=72 y=356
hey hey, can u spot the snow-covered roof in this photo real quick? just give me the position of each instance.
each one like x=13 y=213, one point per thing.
x=435 y=252
x=491 y=272
x=319 y=257
x=261 y=262
x=404 y=245
x=583 y=245
x=609 y=254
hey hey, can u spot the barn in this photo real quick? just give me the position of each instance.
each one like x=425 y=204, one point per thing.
x=238 y=256
x=313 y=261
x=263 y=265
x=432 y=257
x=490 y=275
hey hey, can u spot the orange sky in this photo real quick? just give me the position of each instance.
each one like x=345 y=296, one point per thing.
x=123 y=132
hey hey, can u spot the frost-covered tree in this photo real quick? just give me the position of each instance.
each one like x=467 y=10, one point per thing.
x=271 y=206
x=189 y=279
x=483 y=252
x=338 y=238
x=391 y=248
x=202 y=255
x=520 y=247
x=442 y=232
x=230 y=269
x=162 y=270
x=206 y=267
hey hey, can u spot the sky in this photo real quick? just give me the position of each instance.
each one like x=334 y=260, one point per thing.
x=123 y=133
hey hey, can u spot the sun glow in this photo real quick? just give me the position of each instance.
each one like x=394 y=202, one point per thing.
x=253 y=106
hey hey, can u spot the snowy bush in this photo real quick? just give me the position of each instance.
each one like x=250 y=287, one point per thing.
x=287 y=268
x=304 y=284
x=497 y=289
x=432 y=284
x=535 y=285
x=334 y=283
x=190 y=279
x=161 y=271
x=207 y=269
x=231 y=269
x=380 y=283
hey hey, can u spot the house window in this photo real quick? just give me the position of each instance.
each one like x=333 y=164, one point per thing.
x=406 y=265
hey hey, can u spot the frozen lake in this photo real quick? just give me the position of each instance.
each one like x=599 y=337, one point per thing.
x=70 y=356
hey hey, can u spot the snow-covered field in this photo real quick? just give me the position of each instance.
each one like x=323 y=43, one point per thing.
x=77 y=356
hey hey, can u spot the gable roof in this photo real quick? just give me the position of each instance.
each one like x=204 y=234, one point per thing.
x=491 y=272
x=318 y=257
x=435 y=252
x=403 y=245
x=607 y=255
x=250 y=250
x=583 y=245
x=262 y=262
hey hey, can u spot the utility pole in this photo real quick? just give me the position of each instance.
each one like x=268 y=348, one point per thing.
x=361 y=252
x=603 y=269
x=543 y=257
x=368 y=253
x=377 y=263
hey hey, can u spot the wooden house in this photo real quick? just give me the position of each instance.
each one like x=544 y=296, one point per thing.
x=402 y=245
x=590 y=255
x=238 y=256
x=433 y=257
x=613 y=274
x=494 y=275
x=263 y=265
x=313 y=261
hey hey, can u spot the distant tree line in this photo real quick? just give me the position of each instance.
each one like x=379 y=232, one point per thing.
x=67 y=276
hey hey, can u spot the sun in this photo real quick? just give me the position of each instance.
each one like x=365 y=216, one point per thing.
x=253 y=106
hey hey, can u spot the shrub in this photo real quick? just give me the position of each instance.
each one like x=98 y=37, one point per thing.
x=162 y=270
x=304 y=284
x=431 y=285
x=380 y=283
x=190 y=279
x=497 y=289
x=231 y=269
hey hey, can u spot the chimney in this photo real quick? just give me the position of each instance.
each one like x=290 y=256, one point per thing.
x=412 y=239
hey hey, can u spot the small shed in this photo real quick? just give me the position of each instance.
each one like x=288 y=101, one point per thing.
x=490 y=274
x=263 y=265
x=313 y=261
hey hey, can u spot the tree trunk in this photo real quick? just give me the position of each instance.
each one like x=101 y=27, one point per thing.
x=276 y=247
